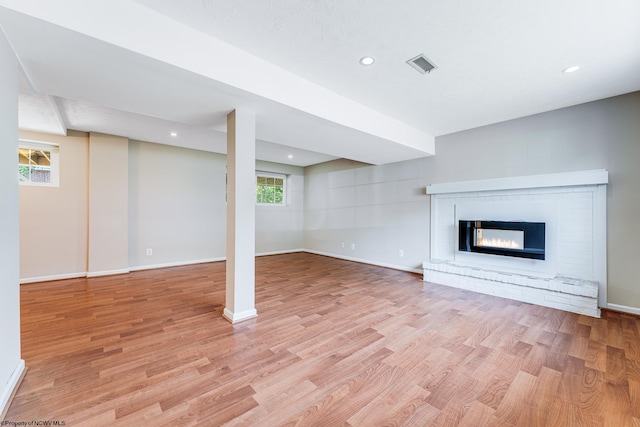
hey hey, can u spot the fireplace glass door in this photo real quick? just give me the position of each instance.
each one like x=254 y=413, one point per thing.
x=506 y=238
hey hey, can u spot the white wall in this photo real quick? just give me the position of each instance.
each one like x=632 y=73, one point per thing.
x=108 y=204
x=176 y=205
x=11 y=366
x=173 y=201
x=379 y=210
x=279 y=228
x=53 y=220
x=341 y=205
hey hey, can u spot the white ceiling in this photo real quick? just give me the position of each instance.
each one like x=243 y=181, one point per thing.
x=147 y=67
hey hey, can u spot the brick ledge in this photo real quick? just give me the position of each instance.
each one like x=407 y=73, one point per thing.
x=565 y=293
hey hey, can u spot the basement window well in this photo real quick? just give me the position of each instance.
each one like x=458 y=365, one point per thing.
x=38 y=164
x=271 y=189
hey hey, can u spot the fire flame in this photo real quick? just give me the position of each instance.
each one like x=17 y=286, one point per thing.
x=499 y=243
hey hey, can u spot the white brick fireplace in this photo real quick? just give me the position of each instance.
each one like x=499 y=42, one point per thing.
x=573 y=275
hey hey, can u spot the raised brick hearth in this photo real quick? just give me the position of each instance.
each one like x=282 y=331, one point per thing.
x=564 y=293
x=572 y=276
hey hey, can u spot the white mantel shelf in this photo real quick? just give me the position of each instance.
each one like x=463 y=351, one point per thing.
x=592 y=177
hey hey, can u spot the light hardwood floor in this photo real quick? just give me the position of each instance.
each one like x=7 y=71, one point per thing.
x=335 y=343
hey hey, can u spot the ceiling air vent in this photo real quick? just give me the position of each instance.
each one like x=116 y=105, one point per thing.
x=421 y=63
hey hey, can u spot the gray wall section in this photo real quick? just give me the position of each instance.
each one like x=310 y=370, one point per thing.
x=279 y=228
x=603 y=134
x=383 y=209
x=368 y=213
x=177 y=206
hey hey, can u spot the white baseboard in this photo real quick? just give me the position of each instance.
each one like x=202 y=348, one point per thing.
x=53 y=277
x=72 y=276
x=107 y=272
x=206 y=260
x=175 y=264
x=623 y=308
x=11 y=387
x=286 y=251
x=366 y=261
x=240 y=316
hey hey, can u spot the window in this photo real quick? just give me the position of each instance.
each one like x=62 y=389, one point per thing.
x=270 y=188
x=38 y=163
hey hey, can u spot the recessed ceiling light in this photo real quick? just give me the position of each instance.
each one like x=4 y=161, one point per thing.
x=290 y=156
x=174 y=134
x=571 y=69
x=367 y=60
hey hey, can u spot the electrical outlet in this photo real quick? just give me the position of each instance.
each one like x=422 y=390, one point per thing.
x=401 y=253
x=149 y=252
x=353 y=246
x=343 y=244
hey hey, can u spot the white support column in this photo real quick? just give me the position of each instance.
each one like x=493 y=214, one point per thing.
x=11 y=364
x=241 y=216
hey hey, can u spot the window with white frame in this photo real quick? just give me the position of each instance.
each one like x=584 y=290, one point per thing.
x=38 y=163
x=271 y=188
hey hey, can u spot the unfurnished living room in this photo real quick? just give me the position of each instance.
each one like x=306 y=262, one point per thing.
x=319 y=213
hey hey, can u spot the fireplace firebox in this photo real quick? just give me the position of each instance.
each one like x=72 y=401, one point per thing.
x=507 y=238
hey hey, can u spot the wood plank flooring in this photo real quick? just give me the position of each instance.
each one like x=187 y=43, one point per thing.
x=335 y=343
